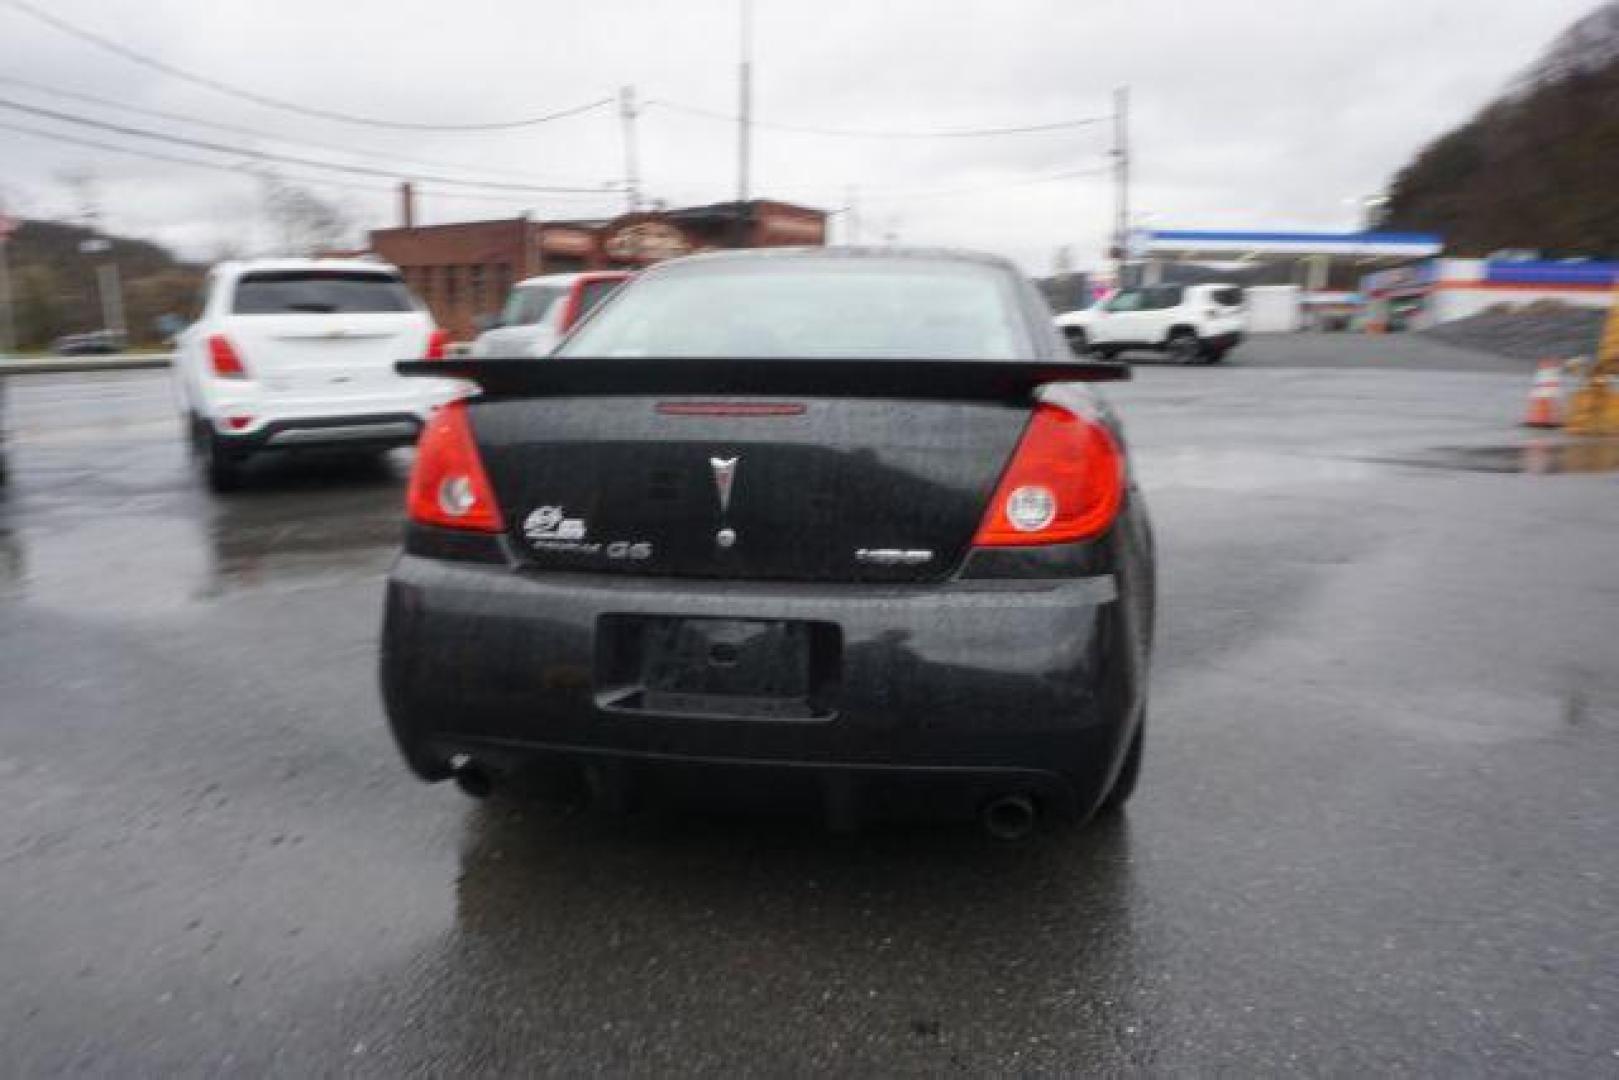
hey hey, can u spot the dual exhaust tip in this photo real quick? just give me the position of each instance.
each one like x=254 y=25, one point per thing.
x=473 y=779
x=1006 y=817
x=1009 y=817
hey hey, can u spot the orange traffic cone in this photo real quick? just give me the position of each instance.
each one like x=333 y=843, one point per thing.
x=1546 y=396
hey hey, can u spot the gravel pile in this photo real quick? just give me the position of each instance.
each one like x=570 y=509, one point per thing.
x=1531 y=332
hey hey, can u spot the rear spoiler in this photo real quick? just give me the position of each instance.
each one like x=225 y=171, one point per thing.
x=947 y=380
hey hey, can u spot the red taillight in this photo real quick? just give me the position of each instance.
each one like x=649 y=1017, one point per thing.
x=238 y=423
x=448 y=487
x=438 y=345
x=570 y=312
x=1065 y=483
x=222 y=355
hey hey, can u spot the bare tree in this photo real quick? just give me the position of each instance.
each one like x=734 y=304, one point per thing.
x=84 y=193
x=302 y=222
x=15 y=200
x=1589 y=45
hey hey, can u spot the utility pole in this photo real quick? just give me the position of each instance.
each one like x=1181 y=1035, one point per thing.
x=632 y=172
x=112 y=296
x=744 y=132
x=1121 y=155
x=107 y=284
x=8 y=323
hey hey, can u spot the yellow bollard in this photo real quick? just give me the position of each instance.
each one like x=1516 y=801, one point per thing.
x=1593 y=409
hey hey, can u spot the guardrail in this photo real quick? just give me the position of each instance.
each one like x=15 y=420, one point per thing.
x=53 y=365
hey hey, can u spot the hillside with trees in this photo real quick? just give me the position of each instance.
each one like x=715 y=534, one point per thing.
x=1538 y=168
x=54 y=279
x=54 y=282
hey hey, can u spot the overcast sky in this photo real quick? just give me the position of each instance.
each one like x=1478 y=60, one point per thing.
x=1266 y=114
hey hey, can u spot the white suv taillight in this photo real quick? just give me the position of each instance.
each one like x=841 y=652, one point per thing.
x=438 y=345
x=224 y=359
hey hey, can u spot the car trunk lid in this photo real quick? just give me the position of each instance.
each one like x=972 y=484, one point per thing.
x=301 y=355
x=822 y=489
x=849 y=471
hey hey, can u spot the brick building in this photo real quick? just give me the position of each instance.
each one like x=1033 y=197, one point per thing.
x=464 y=270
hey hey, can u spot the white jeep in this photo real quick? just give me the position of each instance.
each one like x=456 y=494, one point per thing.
x=1191 y=324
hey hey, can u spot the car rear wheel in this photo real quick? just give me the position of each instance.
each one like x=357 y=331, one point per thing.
x=1129 y=775
x=1214 y=356
x=1107 y=353
x=221 y=471
x=1184 y=347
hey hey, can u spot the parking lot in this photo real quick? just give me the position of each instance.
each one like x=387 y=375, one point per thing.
x=1375 y=832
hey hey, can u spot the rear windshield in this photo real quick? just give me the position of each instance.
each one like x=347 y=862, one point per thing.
x=319 y=292
x=592 y=293
x=529 y=303
x=842 y=308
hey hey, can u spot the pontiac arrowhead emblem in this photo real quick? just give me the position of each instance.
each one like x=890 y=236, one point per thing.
x=724 y=477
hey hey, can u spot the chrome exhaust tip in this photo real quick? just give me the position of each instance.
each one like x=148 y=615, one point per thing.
x=470 y=777
x=1010 y=817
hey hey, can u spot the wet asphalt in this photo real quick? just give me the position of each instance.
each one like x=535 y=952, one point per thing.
x=1375 y=833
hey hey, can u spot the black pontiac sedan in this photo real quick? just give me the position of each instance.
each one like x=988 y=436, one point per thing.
x=842 y=524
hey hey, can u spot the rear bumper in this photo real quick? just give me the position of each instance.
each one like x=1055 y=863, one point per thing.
x=946 y=694
x=845 y=793
x=357 y=432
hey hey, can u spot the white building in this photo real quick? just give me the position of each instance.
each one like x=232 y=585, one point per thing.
x=1441 y=290
x=1295 y=279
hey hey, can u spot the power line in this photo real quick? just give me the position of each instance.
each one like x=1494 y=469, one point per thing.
x=868 y=133
x=893 y=193
x=285 y=159
x=236 y=129
x=275 y=103
x=245 y=170
x=155 y=155
x=943 y=193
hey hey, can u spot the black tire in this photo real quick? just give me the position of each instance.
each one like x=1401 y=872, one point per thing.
x=1183 y=346
x=1129 y=776
x=220 y=470
x=1106 y=353
x=1214 y=356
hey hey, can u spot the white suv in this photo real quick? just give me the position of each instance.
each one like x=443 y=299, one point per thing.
x=1190 y=323
x=296 y=354
x=541 y=310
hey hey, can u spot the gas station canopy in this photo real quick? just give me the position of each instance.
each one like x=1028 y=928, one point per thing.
x=1196 y=244
x=1317 y=262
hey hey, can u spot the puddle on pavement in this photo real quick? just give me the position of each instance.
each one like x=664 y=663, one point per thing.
x=1538 y=456
x=135 y=562
x=250 y=551
x=144 y=559
x=1239 y=470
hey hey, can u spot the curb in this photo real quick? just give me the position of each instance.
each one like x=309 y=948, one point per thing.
x=58 y=365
